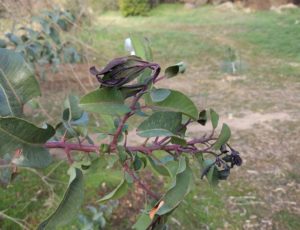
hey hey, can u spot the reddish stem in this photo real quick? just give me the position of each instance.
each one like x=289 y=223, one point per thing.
x=72 y=146
x=140 y=148
x=114 y=142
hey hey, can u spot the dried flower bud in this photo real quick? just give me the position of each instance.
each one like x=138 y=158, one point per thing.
x=120 y=71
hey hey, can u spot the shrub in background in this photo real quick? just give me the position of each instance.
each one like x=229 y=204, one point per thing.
x=41 y=43
x=134 y=7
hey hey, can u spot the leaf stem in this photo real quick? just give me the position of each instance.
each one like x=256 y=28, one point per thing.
x=140 y=183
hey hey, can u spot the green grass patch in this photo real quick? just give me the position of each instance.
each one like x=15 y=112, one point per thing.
x=287 y=220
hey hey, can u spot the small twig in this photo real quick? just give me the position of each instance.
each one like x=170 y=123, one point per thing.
x=54 y=168
x=44 y=111
x=78 y=79
x=146 y=141
x=125 y=141
x=159 y=79
x=140 y=183
x=68 y=153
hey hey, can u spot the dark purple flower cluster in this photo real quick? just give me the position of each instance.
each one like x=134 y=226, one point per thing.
x=121 y=71
x=233 y=158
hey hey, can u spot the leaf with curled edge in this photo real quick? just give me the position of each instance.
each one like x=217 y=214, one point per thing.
x=179 y=189
x=16 y=133
x=174 y=70
x=17 y=83
x=70 y=203
x=75 y=112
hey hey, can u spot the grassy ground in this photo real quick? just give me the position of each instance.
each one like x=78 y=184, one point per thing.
x=261 y=103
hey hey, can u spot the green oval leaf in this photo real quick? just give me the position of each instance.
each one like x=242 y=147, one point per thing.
x=137 y=163
x=160 y=124
x=105 y=101
x=75 y=112
x=158 y=95
x=214 y=117
x=141 y=47
x=17 y=83
x=177 y=102
x=174 y=70
x=159 y=167
x=223 y=137
x=70 y=203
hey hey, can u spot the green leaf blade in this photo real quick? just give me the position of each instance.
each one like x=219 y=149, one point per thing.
x=15 y=132
x=107 y=101
x=179 y=190
x=160 y=124
x=159 y=167
x=143 y=222
x=33 y=157
x=72 y=104
x=174 y=70
x=141 y=47
x=70 y=203
x=176 y=102
x=223 y=137
x=158 y=95
x=17 y=83
x=214 y=117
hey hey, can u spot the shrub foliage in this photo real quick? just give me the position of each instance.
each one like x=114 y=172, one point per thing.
x=127 y=89
x=41 y=44
x=134 y=7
